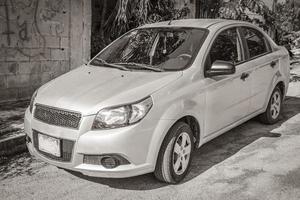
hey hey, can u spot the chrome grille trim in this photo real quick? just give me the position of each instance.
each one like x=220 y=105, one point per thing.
x=57 y=117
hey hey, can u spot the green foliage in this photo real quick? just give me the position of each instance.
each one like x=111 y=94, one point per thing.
x=134 y=13
x=279 y=22
x=287 y=22
x=129 y=14
x=208 y=8
x=240 y=10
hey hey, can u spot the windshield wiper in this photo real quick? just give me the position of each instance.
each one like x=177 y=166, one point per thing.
x=144 y=66
x=113 y=65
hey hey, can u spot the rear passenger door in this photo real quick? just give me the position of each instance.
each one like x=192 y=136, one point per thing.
x=264 y=64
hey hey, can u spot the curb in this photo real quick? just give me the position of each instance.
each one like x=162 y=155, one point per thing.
x=13 y=145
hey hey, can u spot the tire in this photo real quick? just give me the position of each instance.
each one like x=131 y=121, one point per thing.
x=174 y=158
x=271 y=115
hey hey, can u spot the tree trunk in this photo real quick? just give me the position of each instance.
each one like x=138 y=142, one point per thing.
x=197 y=14
x=102 y=21
x=112 y=16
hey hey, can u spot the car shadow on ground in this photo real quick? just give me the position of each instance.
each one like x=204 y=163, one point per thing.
x=210 y=153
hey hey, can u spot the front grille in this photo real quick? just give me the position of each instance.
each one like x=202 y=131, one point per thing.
x=66 y=148
x=58 y=117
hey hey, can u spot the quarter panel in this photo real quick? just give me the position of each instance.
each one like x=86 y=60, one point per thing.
x=263 y=75
x=282 y=73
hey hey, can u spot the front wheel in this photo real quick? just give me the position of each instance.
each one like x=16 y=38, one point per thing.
x=271 y=115
x=175 y=154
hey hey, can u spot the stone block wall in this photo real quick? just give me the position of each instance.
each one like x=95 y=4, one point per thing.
x=40 y=40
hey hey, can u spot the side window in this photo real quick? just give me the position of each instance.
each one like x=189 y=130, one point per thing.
x=256 y=42
x=226 y=47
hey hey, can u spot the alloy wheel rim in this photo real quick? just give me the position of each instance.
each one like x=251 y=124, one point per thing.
x=275 y=105
x=181 y=153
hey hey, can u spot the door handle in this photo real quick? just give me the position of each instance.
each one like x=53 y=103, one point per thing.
x=244 y=76
x=273 y=64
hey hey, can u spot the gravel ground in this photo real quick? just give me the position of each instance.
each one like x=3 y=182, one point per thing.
x=12 y=118
x=252 y=161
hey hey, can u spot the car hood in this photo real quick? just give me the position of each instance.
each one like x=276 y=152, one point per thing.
x=88 y=89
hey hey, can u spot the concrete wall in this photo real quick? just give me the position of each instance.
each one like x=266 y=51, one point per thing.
x=40 y=40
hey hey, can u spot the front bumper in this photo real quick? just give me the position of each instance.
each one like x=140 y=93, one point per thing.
x=121 y=171
x=137 y=143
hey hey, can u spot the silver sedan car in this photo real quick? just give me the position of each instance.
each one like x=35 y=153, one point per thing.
x=146 y=101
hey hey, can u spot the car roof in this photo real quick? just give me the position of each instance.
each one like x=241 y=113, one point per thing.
x=195 y=23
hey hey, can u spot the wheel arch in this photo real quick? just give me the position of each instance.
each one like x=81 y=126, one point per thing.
x=194 y=125
x=191 y=121
x=282 y=88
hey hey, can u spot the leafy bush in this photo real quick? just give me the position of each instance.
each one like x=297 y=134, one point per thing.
x=129 y=14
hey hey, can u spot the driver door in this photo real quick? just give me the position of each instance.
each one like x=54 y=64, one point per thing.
x=227 y=96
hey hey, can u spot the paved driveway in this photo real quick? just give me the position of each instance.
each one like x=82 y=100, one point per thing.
x=252 y=161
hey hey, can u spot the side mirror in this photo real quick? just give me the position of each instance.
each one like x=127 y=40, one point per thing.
x=220 y=67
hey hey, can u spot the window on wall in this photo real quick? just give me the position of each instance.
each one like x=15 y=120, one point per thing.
x=226 y=47
x=256 y=42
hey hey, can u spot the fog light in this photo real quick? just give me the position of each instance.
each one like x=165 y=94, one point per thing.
x=109 y=162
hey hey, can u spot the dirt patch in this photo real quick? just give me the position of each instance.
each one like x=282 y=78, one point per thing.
x=19 y=165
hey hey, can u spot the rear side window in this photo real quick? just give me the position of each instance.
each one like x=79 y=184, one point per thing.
x=256 y=42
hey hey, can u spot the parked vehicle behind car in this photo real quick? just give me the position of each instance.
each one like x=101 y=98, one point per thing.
x=146 y=101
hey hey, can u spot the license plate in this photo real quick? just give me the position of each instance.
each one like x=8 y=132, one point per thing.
x=49 y=145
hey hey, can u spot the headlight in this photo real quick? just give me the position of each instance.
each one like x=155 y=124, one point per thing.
x=32 y=101
x=120 y=116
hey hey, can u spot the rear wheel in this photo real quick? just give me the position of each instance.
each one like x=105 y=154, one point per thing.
x=271 y=115
x=175 y=154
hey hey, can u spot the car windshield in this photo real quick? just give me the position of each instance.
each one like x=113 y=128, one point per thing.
x=154 y=49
